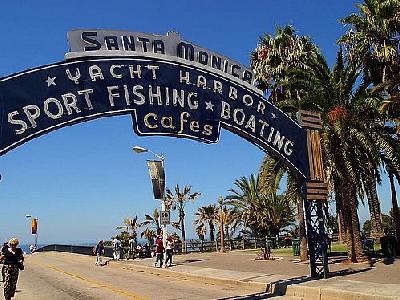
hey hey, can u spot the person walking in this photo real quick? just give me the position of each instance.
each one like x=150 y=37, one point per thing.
x=13 y=262
x=132 y=248
x=99 y=251
x=3 y=269
x=169 y=248
x=116 y=249
x=159 y=251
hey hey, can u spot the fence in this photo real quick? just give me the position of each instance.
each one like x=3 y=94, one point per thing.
x=190 y=246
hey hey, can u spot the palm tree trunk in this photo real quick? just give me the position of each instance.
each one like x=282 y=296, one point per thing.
x=339 y=213
x=396 y=212
x=302 y=229
x=339 y=209
x=221 y=228
x=182 y=218
x=373 y=205
x=351 y=222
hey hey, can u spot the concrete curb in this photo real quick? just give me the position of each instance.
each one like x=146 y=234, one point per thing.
x=317 y=293
x=248 y=285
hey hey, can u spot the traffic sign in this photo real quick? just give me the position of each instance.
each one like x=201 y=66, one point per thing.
x=165 y=217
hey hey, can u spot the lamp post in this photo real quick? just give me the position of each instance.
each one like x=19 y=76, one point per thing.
x=34 y=223
x=161 y=157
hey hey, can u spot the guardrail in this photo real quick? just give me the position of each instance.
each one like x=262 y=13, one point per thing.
x=188 y=246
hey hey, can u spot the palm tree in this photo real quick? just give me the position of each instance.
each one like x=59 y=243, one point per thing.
x=207 y=214
x=264 y=214
x=395 y=206
x=154 y=220
x=373 y=39
x=271 y=174
x=133 y=225
x=178 y=201
x=311 y=85
x=149 y=234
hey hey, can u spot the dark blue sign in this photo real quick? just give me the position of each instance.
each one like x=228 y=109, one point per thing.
x=164 y=98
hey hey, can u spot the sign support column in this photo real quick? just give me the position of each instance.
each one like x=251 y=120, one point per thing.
x=315 y=189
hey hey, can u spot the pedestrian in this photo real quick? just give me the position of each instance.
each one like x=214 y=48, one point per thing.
x=3 y=269
x=99 y=251
x=13 y=262
x=169 y=248
x=116 y=249
x=132 y=248
x=159 y=251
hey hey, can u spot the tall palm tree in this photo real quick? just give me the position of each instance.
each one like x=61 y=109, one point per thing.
x=395 y=206
x=179 y=200
x=207 y=214
x=313 y=86
x=373 y=39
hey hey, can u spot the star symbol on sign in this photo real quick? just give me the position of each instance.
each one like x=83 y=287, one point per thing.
x=50 y=81
x=273 y=116
x=209 y=106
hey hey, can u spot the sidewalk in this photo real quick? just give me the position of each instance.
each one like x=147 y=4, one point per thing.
x=379 y=280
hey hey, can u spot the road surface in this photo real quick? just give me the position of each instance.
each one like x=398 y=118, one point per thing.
x=65 y=276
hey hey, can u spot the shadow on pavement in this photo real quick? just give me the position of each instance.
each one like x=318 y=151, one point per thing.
x=257 y=296
x=388 y=260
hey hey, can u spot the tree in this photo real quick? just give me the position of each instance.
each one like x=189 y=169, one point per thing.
x=150 y=235
x=178 y=201
x=349 y=113
x=373 y=39
x=264 y=214
x=271 y=173
x=207 y=214
x=132 y=225
x=154 y=220
x=395 y=211
x=388 y=226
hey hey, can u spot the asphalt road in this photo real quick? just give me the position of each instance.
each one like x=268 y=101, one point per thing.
x=68 y=276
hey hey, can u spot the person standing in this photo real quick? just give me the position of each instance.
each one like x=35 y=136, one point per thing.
x=13 y=262
x=3 y=269
x=99 y=251
x=169 y=248
x=132 y=248
x=116 y=249
x=159 y=251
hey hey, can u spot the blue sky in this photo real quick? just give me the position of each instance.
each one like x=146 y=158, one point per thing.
x=81 y=181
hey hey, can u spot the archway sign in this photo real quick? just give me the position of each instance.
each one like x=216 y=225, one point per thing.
x=170 y=87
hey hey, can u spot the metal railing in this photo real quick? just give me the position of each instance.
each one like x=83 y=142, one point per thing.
x=189 y=246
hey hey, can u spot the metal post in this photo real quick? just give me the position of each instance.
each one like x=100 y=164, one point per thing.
x=315 y=193
x=163 y=208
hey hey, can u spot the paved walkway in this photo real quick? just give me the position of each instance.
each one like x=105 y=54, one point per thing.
x=378 y=279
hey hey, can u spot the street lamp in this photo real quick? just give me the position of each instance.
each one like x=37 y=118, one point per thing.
x=161 y=157
x=34 y=223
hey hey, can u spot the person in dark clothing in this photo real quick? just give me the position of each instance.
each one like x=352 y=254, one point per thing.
x=99 y=251
x=3 y=269
x=13 y=262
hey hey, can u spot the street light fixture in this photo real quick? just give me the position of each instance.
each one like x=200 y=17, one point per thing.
x=161 y=157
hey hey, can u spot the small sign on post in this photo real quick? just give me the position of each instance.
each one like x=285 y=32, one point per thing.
x=165 y=217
